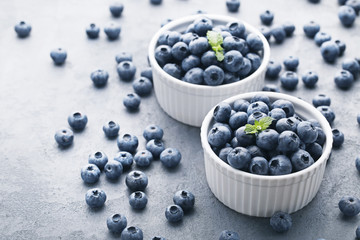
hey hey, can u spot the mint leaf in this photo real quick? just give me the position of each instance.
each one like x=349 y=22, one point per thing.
x=215 y=40
x=258 y=126
x=250 y=129
x=265 y=122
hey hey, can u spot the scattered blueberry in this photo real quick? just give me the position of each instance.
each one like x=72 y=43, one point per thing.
x=132 y=101
x=126 y=70
x=127 y=143
x=170 y=157
x=346 y=15
x=344 y=79
x=142 y=86
x=311 y=28
x=138 y=200
x=357 y=232
x=95 y=198
x=116 y=9
x=99 y=159
x=266 y=32
x=327 y=112
x=278 y=33
x=92 y=31
x=136 y=181
x=281 y=222
x=267 y=17
x=125 y=158
x=349 y=206
x=123 y=56
x=321 y=100
x=64 y=137
x=134 y=233
x=153 y=131
x=90 y=173
x=174 y=213
x=22 y=29
x=58 y=56
x=185 y=199
x=111 y=129
x=338 y=137
x=291 y=63
x=289 y=80
x=229 y=235
x=147 y=72
x=270 y=88
x=233 y=5
x=155 y=146
x=116 y=223
x=310 y=79
x=113 y=169
x=99 y=77
x=355 y=4
x=321 y=37
x=273 y=69
x=112 y=31
x=329 y=51
x=342 y=47
x=289 y=28
x=352 y=66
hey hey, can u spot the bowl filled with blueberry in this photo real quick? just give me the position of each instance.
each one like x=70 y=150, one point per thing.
x=265 y=152
x=200 y=60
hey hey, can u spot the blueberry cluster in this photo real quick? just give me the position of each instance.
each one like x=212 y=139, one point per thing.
x=209 y=55
x=344 y=78
x=265 y=138
x=184 y=202
x=348 y=11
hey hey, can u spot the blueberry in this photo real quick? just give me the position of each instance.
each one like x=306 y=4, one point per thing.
x=22 y=29
x=116 y=223
x=143 y=158
x=209 y=58
x=64 y=137
x=358 y=118
x=219 y=136
x=327 y=112
x=173 y=38
x=173 y=70
x=202 y=25
x=194 y=75
x=138 y=200
x=128 y=143
x=239 y=158
x=281 y=221
x=237 y=120
x=349 y=206
x=255 y=61
x=218 y=124
x=241 y=105
x=229 y=235
x=267 y=139
x=187 y=37
x=347 y=15
x=153 y=131
x=125 y=158
x=126 y=70
x=163 y=54
x=289 y=28
x=285 y=105
x=341 y=2
x=112 y=30
x=58 y=56
x=135 y=233
x=111 y=129
x=236 y=29
x=321 y=37
x=288 y=141
x=224 y=152
x=321 y=100
x=278 y=33
x=113 y=169
x=273 y=69
x=277 y=114
x=270 y=88
x=266 y=32
x=233 y=144
x=233 y=61
x=185 y=199
x=311 y=28
x=255 y=151
x=190 y=28
x=341 y=45
x=315 y=150
x=233 y=5
x=267 y=17
x=245 y=68
x=213 y=75
x=174 y=213
x=256 y=116
x=310 y=79
x=259 y=165
x=301 y=159
x=198 y=46
x=344 y=79
x=158 y=238
x=179 y=51
x=258 y=106
x=285 y=124
x=254 y=42
x=244 y=139
x=142 y=86
x=116 y=9
x=289 y=80
x=92 y=31
x=329 y=51
x=170 y=157
x=355 y=4
x=314 y=122
x=306 y=132
x=99 y=159
x=99 y=77
x=357 y=164
x=147 y=72
x=123 y=56
x=132 y=101
x=338 y=137
x=352 y=66
x=155 y=146
x=163 y=38
x=280 y=165
x=90 y=173
x=291 y=63
x=235 y=43
x=190 y=62
x=95 y=198
x=136 y=181
x=222 y=112
x=357 y=232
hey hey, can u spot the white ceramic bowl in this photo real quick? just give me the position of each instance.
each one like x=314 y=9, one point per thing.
x=189 y=103
x=258 y=195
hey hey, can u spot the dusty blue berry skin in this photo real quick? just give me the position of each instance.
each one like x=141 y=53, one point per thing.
x=306 y=132
x=245 y=68
x=116 y=9
x=95 y=198
x=209 y=58
x=310 y=79
x=270 y=88
x=341 y=45
x=125 y=158
x=255 y=151
x=112 y=31
x=136 y=181
x=236 y=29
x=301 y=159
x=289 y=80
x=262 y=98
x=352 y=66
x=77 y=121
x=135 y=233
x=285 y=124
x=126 y=70
x=355 y=4
x=219 y=136
x=327 y=112
x=202 y=25
x=278 y=33
x=267 y=17
x=235 y=43
x=357 y=232
x=147 y=72
x=173 y=38
x=173 y=70
x=259 y=165
x=222 y=112
x=281 y=222
x=92 y=31
x=237 y=120
x=113 y=169
x=311 y=28
x=288 y=141
x=90 y=173
x=255 y=61
x=142 y=86
x=338 y=137
x=315 y=150
x=99 y=159
x=190 y=62
x=277 y=114
x=127 y=143
x=239 y=158
x=280 y=165
x=257 y=107
x=273 y=69
x=179 y=51
x=321 y=100
x=349 y=206
x=285 y=105
x=244 y=139
x=123 y=56
x=241 y=105
x=267 y=139
x=224 y=152
x=138 y=200
x=64 y=137
x=185 y=199
x=198 y=46
x=111 y=129
x=163 y=38
x=291 y=63
x=143 y=158
x=256 y=116
x=266 y=31
x=229 y=235
x=187 y=37
x=329 y=51
x=22 y=29
x=321 y=37
x=194 y=75
x=357 y=164
x=344 y=79
x=132 y=101
x=170 y=157
x=233 y=5
x=58 y=56
x=99 y=77
x=174 y=213
x=155 y=146
x=163 y=54
x=116 y=223
x=213 y=75
x=347 y=15
x=289 y=28
x=254 y=42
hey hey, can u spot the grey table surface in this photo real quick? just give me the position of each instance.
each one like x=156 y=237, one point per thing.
x=41 y=192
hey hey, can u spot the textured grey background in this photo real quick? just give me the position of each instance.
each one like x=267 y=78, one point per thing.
x=41 y=192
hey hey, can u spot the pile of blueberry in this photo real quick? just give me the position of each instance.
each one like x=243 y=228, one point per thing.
x=263 y=137
x=209 y=55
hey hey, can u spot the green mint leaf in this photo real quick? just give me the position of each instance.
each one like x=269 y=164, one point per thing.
x=219 y=56
x=258 y=126
x=250 y=129
x=215 y=40
x=265 y=122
